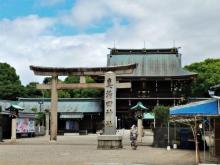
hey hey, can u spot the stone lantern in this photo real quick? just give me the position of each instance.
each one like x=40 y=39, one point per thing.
x=14 y=112
x=139 y=110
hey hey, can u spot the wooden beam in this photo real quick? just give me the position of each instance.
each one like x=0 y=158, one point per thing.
x=81 y=86
x=43 y=86
x=97 y=71
x=72 y=86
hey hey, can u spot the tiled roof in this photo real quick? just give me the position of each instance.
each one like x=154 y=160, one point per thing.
x=64 y=105
x=151 y=63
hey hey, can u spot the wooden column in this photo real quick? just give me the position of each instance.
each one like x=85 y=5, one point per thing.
x=53 y=110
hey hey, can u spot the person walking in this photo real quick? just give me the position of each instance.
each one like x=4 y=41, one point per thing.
x=133 y=137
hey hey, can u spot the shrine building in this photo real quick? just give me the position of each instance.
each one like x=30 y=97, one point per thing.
x=158 y=79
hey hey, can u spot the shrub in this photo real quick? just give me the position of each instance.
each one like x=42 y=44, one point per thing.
x=161 y=115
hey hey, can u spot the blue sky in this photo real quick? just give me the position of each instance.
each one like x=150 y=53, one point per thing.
x=72 y=33
x=12 y=9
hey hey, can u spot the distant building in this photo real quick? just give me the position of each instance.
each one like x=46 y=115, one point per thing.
x=158 y=79
x=74 y=114
x=216 y=89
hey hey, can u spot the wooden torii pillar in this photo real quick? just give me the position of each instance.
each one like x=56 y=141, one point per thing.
x=82 y=72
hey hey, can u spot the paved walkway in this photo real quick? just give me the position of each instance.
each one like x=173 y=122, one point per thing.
x=82 y=150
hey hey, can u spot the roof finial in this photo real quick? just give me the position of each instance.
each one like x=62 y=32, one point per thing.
x=144 y=45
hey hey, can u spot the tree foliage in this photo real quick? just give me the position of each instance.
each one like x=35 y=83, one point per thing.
x=161 y=115
x=71 y=79
x=32 y=91
x=208 y=75
x=10 y=85
x=39 y=116
x=82 y=93
x=61 y=93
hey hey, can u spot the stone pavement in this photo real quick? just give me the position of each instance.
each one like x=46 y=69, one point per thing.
x=82 y=150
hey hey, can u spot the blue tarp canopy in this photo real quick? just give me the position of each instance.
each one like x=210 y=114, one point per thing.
x=204 y=108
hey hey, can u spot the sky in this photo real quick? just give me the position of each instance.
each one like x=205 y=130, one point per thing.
x=78 y=33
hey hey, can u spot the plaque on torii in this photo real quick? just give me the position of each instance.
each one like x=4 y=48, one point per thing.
x=109 y=85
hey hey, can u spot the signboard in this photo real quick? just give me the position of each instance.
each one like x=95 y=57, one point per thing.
x=25 y=125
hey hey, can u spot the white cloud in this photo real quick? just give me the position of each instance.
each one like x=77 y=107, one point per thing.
x=56 y=51
x=194 y=25
x=23 y=43
x=27 y=27
x=93 y=11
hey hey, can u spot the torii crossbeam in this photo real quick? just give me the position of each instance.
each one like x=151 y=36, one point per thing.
x=82 y=72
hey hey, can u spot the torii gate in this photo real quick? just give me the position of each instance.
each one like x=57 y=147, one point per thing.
x=82 y=72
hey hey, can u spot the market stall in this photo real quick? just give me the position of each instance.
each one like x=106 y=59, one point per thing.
x=194 y=115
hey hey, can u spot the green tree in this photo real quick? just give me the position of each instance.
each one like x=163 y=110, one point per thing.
x=61 y=93
x=208 y=75
x=47 y=80
x=39 y=116
x=10 y=85
x=83 y=93
x=75 y=93
x=72 y=79
x=32 y=91
x=161 y=115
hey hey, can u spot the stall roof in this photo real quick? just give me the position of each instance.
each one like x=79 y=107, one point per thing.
x=204 y=108
x=149 y=116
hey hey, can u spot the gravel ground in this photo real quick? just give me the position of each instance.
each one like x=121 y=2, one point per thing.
x=82 y=150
